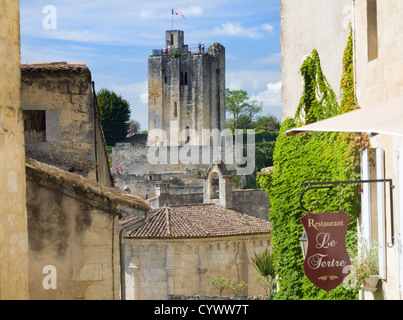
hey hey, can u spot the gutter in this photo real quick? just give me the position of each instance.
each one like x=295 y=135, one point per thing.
x=135 y=226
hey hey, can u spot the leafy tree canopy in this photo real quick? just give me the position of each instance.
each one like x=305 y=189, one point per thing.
x=114 y=113
x=242 y=111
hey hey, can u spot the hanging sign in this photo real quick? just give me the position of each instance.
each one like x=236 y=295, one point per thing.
x=327 y=261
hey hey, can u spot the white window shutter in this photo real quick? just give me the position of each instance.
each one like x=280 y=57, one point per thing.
x=380 y=174
x=400 y=214
x=365 y=226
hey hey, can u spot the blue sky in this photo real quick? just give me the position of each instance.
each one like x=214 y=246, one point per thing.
x=115 y=38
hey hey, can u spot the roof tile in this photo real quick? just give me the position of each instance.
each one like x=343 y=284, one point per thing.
x=199 y=220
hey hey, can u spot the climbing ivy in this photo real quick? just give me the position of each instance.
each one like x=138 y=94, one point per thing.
x=320 y=156
x=348 y=98
x=318 y=100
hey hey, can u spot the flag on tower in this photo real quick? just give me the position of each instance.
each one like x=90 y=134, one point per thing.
x=177 y=13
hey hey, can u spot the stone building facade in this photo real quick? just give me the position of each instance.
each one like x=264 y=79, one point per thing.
x=61 y=121
x=177 y=249
x=186 y=91
x=378 y=55
x=180 y=248
x=13 y=213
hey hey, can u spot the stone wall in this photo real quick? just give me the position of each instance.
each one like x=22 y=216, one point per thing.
x=253 y=202
x=73 y=227
x=72 y=135
x=185 y=266
x=140 y=175
x=13 y=217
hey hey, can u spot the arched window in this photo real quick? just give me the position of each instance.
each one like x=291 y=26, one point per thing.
x=214 y=186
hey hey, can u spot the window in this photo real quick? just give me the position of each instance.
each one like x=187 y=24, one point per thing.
x=187 y=134
x=184 y=79
x=35 y=125
x=372 y=30
x=214 y=186
x=176 y=109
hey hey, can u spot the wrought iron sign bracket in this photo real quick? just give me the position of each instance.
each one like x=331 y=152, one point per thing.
x=331 y=184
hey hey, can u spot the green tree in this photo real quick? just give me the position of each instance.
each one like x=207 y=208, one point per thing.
x=242 y=111
x=264 y=264
x=114 y=113
x=220 y=283
x=267 y=123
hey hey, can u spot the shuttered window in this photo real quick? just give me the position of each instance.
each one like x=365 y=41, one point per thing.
x=35 y=125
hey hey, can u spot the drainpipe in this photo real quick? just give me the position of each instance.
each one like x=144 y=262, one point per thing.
x=132 y=227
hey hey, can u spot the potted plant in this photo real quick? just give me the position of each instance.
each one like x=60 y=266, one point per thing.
x=365 y=268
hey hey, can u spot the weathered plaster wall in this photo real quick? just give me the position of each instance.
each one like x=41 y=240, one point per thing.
x=71 y=230
x=13 y=217
x=185 y=266
x=308 y=25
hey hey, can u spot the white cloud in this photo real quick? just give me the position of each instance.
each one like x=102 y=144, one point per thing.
x=263 y=86
x=192 y=11
x=267 y=27
x=251 y=80
x=79 y=36
x=274 y=58
x=271 y=97
x=146 y=14
x=236 y=29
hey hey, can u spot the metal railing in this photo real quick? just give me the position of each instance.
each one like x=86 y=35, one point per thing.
x=170 y=51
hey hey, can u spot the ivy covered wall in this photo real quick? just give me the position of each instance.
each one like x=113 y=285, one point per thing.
x=312 y=157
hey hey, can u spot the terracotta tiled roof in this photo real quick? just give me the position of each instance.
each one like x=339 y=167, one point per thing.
x=74 y=67
x=194 y=221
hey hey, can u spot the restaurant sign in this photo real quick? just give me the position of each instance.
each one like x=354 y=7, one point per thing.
x=326 y=262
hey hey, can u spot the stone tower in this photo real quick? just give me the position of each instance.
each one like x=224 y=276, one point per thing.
x=186 y=90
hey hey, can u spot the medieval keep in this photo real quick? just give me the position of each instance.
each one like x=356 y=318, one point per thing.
x=185 y=89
